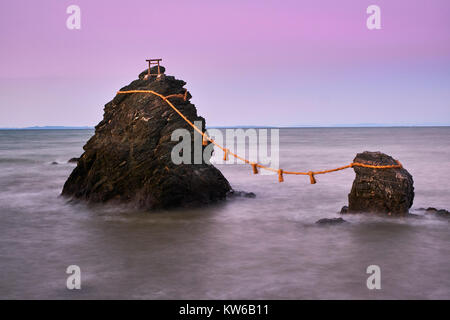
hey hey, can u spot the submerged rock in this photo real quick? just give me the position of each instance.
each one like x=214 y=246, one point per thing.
x=244 y=194
x=128 y=159
x=388 y=191
x=326 y=221
x=443 y=213
x=344 y=209
x=439 y=212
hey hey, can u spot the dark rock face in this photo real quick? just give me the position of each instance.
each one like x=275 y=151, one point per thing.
x=380 y=190
x=333 y=221
x=73 y=160
x=128 y=160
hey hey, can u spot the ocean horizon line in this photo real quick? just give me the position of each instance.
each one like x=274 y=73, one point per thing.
x=250 y=126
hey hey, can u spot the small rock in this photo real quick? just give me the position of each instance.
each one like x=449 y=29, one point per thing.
x=344 y=209
x=244 y=194
x=54 y=163
x=443 y=213
x=332 y=221
x=73 y=160
x=439 y=212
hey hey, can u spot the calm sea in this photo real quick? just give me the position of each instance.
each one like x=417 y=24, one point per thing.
x=268 y=247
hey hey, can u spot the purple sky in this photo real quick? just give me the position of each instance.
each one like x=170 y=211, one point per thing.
x=245 y=62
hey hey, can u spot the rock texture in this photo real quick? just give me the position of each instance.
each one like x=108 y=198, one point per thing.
x=388 y=191
x=128 y=160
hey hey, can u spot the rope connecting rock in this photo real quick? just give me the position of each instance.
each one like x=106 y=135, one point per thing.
x=255 y=166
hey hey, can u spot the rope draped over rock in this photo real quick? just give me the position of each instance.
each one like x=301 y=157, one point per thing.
x=255 y=166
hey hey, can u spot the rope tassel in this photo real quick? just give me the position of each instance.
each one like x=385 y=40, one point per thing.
x=311 y=177
x=280 y=175
x=205 y=140
x=225 y=154
x=255 y=168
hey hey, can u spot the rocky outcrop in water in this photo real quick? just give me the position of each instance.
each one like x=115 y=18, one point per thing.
x=332 y=221
x=438 y=212
x=237 y=194
x=388 y=191
x=128 y=160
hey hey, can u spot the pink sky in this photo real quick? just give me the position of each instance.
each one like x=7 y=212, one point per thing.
x=245 y=62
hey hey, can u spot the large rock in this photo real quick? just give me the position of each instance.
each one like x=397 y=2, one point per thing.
x=128 y=160
x=380 y=190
